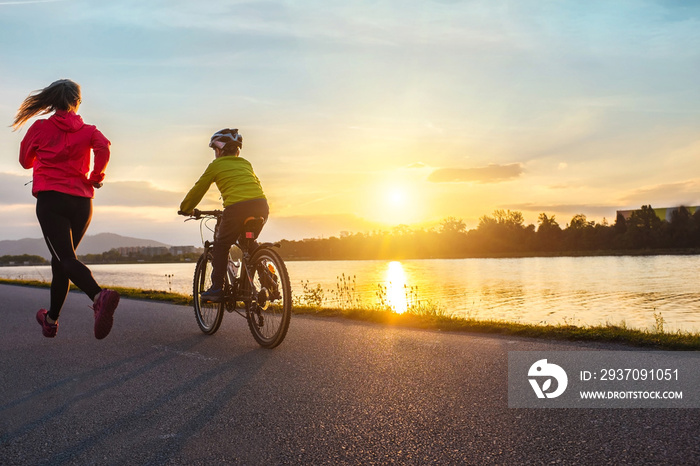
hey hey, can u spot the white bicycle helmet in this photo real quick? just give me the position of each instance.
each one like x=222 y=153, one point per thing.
x=226 y=139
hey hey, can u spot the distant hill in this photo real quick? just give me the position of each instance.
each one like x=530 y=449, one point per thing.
x=96 y=244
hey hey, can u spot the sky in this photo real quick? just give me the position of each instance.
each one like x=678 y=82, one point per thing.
x=360 y=116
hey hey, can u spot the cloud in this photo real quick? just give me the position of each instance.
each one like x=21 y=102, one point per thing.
x=490 y=174
x=17 y=207
x=564 y=210
x=669 y=194
x=15 y=189
x=137 y=194
x=299 y=227
x=26 y=2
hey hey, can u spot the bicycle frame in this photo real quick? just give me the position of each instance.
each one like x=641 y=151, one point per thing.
x=233 y=292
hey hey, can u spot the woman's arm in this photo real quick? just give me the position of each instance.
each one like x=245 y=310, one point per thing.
x=101 y=148
x=27 y=149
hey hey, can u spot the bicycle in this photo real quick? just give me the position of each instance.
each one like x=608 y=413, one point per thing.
x=256 y=286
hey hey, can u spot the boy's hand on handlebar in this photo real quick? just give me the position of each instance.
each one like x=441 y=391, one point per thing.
x=194 y=213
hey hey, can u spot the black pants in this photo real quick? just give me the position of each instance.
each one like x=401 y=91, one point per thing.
x=64 y=219
x=229 y=230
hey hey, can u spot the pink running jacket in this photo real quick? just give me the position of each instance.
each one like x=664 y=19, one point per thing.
x=58 y=148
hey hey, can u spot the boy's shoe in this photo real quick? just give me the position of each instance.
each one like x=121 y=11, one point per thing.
x=104 y=311
x=49 y=330
x=212 y=295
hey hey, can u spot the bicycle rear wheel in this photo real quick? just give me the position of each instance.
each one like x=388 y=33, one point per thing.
x=271 y=309
x=208 y=314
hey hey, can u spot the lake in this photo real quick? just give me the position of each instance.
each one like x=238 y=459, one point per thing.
x=553 y=290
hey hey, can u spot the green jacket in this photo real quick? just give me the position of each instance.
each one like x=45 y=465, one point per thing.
x=233 y=176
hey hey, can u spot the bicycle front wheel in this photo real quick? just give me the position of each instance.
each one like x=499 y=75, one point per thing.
x=271 y=309
x=208 y=314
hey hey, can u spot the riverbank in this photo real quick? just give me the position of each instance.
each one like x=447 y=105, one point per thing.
x=92 y=259
x=435 y=319
x=493 y=255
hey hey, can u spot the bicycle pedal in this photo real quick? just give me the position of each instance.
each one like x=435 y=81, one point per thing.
x=211 y=299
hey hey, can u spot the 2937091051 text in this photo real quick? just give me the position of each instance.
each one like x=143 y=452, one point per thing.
x=603 y=379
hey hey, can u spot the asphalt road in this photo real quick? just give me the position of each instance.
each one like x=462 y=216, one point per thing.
x=157 y=391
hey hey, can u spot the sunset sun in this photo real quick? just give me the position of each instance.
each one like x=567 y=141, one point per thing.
x=396 y=204
x=392 y=201
x=396 y=197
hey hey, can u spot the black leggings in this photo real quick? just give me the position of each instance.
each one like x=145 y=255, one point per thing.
x=230 y=229
x=64 y=219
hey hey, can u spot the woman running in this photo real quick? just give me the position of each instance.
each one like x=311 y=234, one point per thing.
x=58 y=149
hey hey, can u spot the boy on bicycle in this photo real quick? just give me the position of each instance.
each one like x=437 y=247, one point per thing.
x=242 y=195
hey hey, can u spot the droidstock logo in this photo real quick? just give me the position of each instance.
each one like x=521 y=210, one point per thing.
x=545 y=372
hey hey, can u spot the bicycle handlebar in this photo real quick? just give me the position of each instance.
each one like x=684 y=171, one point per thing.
x=196 y=213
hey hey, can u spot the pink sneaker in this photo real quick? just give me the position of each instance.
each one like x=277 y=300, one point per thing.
x=49 y=330
x=104 y=311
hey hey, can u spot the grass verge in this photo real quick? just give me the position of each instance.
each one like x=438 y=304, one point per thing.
x=654 y=339
x=608 y=333
x=135 y=293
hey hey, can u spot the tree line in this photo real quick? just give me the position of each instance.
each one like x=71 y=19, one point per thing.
x=23 y=259
x=504 y=233
x=113 y=256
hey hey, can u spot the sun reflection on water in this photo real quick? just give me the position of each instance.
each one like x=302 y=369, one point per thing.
x=395 y=281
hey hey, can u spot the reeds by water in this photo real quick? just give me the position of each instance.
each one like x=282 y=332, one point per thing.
x=345 y=296
x=344 y=301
